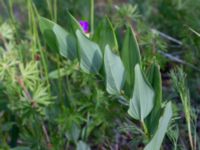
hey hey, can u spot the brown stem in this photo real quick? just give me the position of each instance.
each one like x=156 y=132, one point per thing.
x=4 y=42
x=46 y=136
x=21 y=83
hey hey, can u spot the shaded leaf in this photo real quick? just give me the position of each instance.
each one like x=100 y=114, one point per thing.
x=46 y=27
x=130 y=57
x=105 y=34
x=72 y=24
x=157 y=139
x=154 y=77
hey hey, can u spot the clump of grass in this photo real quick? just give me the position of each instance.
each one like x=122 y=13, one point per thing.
x=179 y=80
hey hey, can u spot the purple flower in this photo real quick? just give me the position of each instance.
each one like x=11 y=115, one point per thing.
x=84 y=25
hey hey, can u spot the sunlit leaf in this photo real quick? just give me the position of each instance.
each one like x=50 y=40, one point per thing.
x=89 y=53
x=58 y=73
x=115 y=72
x=142 y=100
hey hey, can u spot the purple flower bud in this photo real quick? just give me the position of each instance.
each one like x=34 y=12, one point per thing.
x=84 y=25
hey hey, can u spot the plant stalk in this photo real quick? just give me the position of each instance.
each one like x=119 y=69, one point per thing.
x=92 y=16
x=145 y=129
x=46 y=136
x=55 y=10
x=50 y=8
x=43 y=58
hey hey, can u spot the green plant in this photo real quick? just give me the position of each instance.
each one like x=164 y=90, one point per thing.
x=90 y=59
x=28 y=97
x=62 y=88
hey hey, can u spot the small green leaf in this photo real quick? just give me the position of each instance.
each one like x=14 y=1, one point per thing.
x=82 y=146
x=105 y=34
x=115 y=72
x=74 y=133
x=90 y=54
x=58 y=73
x=142 y=101
x=130 y=57
x=157 y=139
x=154 y=77
x=58 y=39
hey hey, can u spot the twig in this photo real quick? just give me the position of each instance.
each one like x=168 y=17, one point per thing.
x=21 y=83
x=176 y=59
x=198 y=34
x=46 y=136
x=167 y=36
x=4 y=42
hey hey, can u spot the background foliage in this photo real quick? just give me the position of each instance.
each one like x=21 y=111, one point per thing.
x=48 y=102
